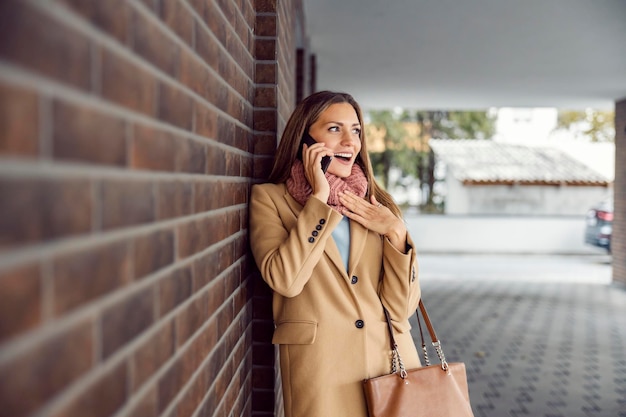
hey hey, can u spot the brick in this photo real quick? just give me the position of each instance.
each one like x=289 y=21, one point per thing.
x=247 y=166
x=45 y=369
x=206 y=121
x=125 y=320
x=265 y=73
x=265 y=49
x=146 y=405
x=216 y=160
x=20 y=300
x=205 y=269
x=175 y=106
x=151 y=4
x=152 y=354
x=265 y=120
x=126 y=203
x=169 y=385
x=217 y=296
x=217 y=26
x=226 y=131
x=208 y=407
x=101 y=398
x=19 y=118
x=153 y=252
x=179 y=19
x=227 y=8
x=262 y=168
x=207 y=47
x=83 y=276
x=192 y=398
x=155 y=46
x=210 y=196
x=197 y=235
x=174 y=289
x=265 y=6
x=190 y=319
x=265 y=144
x=219 y=355
x=174 y=199
x=128 y=85
x=190 y=156
x=111 y=17
x=265 y=97
x=192 y=73
x=39 y=210
x=265 y=25
x=153 y=149
x=39 y=43
x=84 y=134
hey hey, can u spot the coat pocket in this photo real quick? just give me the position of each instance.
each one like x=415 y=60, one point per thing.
x=295 y=332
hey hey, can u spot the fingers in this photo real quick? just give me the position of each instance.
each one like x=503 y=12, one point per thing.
x=360 y=206
x=312 y=155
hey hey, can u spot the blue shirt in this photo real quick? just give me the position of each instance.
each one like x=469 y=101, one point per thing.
x=341 y=235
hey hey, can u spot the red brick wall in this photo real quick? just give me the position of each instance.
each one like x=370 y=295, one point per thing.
x=618 y=240
x=130 y=133
x=276 y=52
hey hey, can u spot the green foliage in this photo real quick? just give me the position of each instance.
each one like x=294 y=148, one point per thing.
x=457 y=124
x=595 y=125
x=409 y=151
x=393 y=134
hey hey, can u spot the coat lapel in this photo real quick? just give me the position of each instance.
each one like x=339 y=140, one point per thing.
x=358 y=238
x=331 y=250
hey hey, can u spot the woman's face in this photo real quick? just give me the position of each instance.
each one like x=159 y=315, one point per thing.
x=339 y=129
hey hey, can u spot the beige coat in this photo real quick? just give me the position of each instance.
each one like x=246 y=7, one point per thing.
x=330 y=323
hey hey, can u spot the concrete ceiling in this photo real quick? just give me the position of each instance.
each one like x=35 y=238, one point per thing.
x=471 y=54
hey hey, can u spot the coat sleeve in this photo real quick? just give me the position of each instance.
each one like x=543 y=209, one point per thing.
x=399 y=290
x=286 y=256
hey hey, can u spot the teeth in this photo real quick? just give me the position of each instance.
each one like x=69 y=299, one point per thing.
x=344 y=155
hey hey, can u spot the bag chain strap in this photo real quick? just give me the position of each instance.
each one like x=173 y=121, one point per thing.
x=396 y=359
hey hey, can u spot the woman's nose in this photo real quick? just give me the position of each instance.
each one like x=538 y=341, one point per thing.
x=348 y=137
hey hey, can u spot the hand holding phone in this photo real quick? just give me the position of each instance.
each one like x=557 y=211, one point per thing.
x=308 y=140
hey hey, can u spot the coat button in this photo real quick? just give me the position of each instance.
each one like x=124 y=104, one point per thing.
x=359 y=324
x=314 y=233
x=322 y=221
x=354 y=279
x=318 y=227
x=311 y=239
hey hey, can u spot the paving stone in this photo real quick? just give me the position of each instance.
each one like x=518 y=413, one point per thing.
x=535 y=349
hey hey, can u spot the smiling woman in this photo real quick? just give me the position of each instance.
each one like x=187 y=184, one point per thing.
x=334 y=250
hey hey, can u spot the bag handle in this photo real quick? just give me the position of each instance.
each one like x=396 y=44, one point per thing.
x=435 y=341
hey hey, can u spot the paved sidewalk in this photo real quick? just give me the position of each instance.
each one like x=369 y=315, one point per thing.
x=551 y=345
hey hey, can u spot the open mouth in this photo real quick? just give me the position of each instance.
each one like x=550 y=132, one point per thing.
x=344 y=156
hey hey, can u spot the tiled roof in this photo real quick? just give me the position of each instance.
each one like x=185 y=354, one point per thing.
x=489 y=162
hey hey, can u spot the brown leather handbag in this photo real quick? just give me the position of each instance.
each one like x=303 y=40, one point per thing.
x=431 y=391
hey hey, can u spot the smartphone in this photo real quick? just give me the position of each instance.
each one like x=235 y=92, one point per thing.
x=306 y=138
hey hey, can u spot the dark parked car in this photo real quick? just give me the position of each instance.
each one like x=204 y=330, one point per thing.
x=600 y=225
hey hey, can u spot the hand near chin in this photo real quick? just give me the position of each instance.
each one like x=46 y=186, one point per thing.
x=375 y=217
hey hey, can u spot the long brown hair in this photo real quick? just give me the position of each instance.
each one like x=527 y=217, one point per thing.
x=304 y=115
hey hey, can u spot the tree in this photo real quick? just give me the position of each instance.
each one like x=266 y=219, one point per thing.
x=448 y=125
x=384 y=123
x=400 y=139
x=595 y=125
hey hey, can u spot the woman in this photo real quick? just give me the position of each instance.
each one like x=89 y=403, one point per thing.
x=334 y=250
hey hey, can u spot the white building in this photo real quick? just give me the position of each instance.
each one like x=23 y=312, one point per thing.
x=491 y=177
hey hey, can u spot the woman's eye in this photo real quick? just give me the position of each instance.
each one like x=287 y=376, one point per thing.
x=334 y=128
x=357 y=131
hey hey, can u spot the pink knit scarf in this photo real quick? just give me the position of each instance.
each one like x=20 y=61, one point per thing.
x=300 y=190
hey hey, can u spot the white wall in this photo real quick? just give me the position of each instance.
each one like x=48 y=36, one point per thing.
x=499 y=234
x=520 y=199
